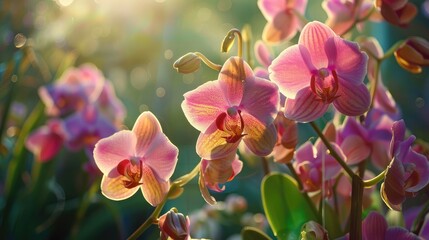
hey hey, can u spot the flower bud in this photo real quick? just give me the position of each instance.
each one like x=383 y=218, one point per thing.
x=174 y=225
x=413 y=54
x=313 y=231
x=188 y=63
x=228 y=41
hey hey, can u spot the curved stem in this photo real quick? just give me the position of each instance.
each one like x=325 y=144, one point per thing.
x=153 y=218
x=209 y=63
x=331 y=150
x=392 y=50
x=371 y=182
x=374 y=83
x=240 y=41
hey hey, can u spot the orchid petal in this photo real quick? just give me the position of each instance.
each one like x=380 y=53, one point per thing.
x=153 y=188
x=392 y=190
x=260 y=138
x=113 y=187
x=313 y=36
x=235 y=73
x=306 y=152
x=108 y=152
x=202 y=105
x=282 y=27
x=400 y=233
x=352 y=100
x=305 y=107
x=146 y=128
x=374 y=226
x=212 y=144
x=262 y=54
x=270 y=8
x=380 y=154
x=290 y=71
x=350 y=63
x=421 y=168
x=262 y=100
x=355 y=148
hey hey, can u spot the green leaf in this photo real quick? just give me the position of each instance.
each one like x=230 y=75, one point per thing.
x=251 y=233
x=284 y=205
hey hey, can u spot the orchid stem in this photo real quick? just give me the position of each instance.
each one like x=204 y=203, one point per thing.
x=392 y=50
x=371 y=182
x=240 y=41
x=153 y=218
x=374 y=83
x=209 y=63
x=331 y=150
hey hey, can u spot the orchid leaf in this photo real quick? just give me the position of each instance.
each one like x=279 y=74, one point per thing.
x=284 y=205
x=251 y=233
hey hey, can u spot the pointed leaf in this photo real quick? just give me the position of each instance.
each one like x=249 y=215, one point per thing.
x=281 y=199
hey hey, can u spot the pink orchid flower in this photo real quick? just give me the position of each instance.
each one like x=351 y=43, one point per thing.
x=86 y=127
x=287 y=139
x=375 y=227
x=73 y=91
x=407 y=173
x=372 y=139
x=342 y=14
x=218 y=171
x=309 y=165
x=226 y=111
x=143 y=158
x=46 y=141
x=174 y=225
x=397 y=12
x=282 y=19
x=321 y=69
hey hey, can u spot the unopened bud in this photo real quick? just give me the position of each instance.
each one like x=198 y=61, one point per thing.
x=174 y=225
x=413 y=54
x=313 y=231
x=227 y=42
x=188 y=63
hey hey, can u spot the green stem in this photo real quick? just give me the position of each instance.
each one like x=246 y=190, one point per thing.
x=371 y=182
x=153 y=218
x=7 y=104
x=265 y=166
x=331 y=150
x=374 y=84
x=392 y=50
x=209 y=63
x=356 y=208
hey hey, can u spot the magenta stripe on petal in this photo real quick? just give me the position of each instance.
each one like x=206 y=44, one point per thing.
x=305 y=107
x=352 y=100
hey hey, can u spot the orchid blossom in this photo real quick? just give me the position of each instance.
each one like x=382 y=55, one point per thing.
x=407 y=173
x=236 y=106
x=73 y=91
x=321 y=69
x=218 y=171
x=143 y=158
x=283 y=20
x=46 y=141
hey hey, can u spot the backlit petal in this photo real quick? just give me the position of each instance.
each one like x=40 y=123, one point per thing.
x=212 y=144
x=305 y=107
x=355 y=148
x=270 y=8
x=262 y=54
x=314 y=36
x=146 y=128
x=262 y=100
x=108 y=152
x=283 y=27
x=203 y=104
x=161 y=156
x=153 y=188
x=349 y=62
x=113 y=187
x=290 y=71
x=259 y=138
x=235 y=73
x=353 y=100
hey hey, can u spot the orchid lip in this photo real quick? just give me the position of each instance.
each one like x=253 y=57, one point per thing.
x=323 y=87
x=131 y=171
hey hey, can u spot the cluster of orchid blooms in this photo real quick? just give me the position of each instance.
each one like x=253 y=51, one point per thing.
x=257 y=111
